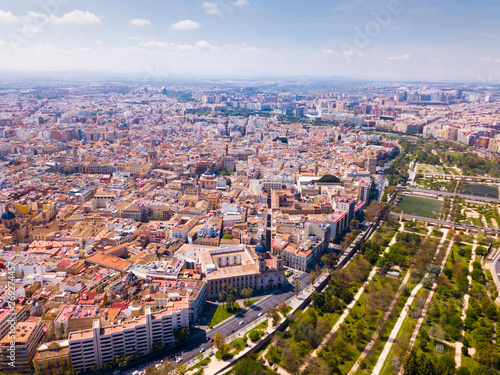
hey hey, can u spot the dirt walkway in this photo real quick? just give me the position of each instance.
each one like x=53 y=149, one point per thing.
x=458 y=345
x=426 y=306
x=381 y=325
x=402 y=317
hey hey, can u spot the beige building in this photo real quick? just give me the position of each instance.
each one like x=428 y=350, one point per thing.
x=26 y=337
x=240 y=267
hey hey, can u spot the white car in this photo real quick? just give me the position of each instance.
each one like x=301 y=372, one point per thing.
x=242 y=322
x=178 y=360
x=260 y=314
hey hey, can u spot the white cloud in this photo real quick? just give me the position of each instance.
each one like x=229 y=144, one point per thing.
x=30 y=31
x=153 y=44
x=202 y=44
x=140 y=22
x=399 y=58
x=349 y=53
x=490 y=59
x=328 y=51
x=98 y=42
x=200 y=47
x=211 y=8
x=251 y=50
x=77 y=17
x=185 y=25
x=241 y=3
x=8 y=17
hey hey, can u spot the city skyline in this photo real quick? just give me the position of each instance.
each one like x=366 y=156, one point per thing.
x=383 y=40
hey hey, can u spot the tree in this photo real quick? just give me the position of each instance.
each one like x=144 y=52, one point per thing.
x=484 y=370
x=297 y=287
x=220 y=343
x=330 y=260
x=411 y=365
x=312 y=277
x=354 y=225
x=230 y=300
x=151 y=370
x=283 y=308
x=373 y=211
x=180 y=334
x=227 y=236
x=167 y=367
x=463 y=371
x=247 y=293
x=249 y=366
x=328 y=178
x=272 y=313
x=181 y=369
x=223 y=297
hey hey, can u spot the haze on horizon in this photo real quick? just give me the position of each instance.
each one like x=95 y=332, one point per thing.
x=378 y=40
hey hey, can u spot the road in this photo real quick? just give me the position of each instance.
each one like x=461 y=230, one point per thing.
x=198 y=338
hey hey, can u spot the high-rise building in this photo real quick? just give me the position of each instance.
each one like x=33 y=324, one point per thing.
x=99 y=345
x=27 y=337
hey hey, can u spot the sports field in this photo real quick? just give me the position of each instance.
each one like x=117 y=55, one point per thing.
x=419 y=206
x=426 y=168
x=481 y=190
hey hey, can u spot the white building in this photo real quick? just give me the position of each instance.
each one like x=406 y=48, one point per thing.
x=99 y=345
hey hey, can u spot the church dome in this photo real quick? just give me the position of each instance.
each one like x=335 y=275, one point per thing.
x=208 y=173
x=260 y=249
x=8 y=216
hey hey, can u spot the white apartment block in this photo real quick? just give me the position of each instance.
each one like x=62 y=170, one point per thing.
x=96 y=346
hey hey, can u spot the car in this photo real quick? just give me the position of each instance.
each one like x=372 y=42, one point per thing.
x=178 y=360
x=208 y=339
x=242 y=322
x=260 y=314
x=211 y=340
x=202 y=350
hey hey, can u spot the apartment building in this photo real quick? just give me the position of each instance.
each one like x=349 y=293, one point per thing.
x=52 y=358
x=99 y=345
x=26 y=339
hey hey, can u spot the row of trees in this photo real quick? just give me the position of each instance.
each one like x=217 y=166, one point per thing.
x=230 y=293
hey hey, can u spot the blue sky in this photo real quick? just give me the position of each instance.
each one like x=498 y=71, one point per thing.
x=368 y=39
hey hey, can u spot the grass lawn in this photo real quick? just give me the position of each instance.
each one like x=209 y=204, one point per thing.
x=426 y=168
x=222 y=314
x=235 y=348
x=202 y=363
x=469 y=363
x=481 y=190
x=419 y=206
x=250 y=302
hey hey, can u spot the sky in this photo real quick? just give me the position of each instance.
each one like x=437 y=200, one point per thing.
x=393 y=40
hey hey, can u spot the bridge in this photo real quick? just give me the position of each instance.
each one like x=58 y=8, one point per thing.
x=447 y=224
x=461 y=177
x=448 y=194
